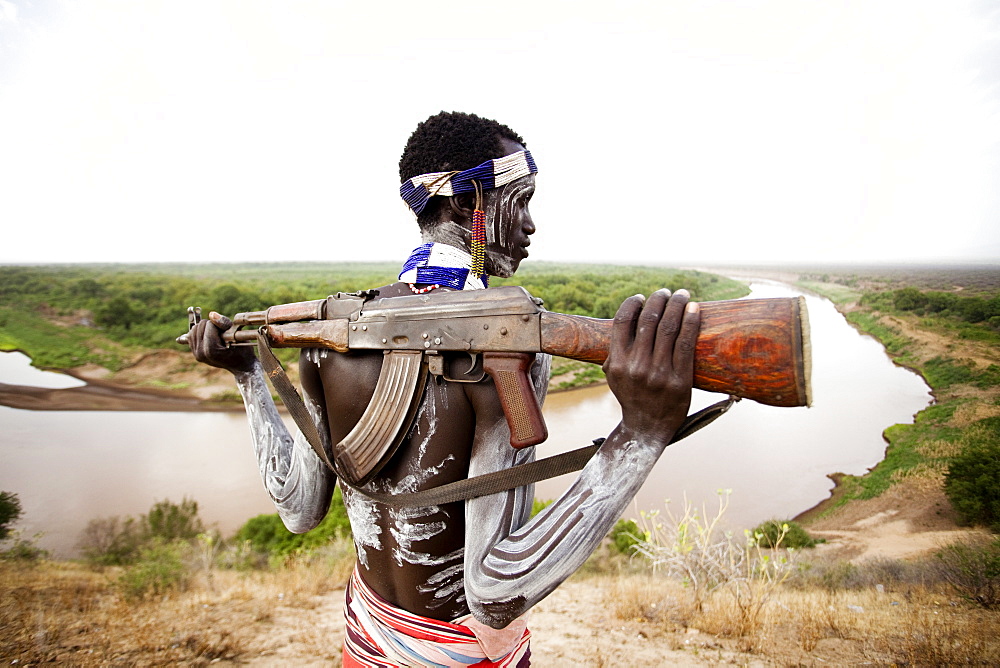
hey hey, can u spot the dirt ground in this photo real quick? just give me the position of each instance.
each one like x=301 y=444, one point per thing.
x=577 y=625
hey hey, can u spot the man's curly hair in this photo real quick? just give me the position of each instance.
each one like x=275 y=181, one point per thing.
x=451 y=141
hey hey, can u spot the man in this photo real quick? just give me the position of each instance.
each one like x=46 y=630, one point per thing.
x=450 y=584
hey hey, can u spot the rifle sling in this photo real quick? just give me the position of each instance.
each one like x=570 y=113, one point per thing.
x=470 y=488
x=290 y=397
x=532 y=472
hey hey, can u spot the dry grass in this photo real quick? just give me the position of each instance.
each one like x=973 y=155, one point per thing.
x=68 y=613
x=918 y=626
x=881 y=613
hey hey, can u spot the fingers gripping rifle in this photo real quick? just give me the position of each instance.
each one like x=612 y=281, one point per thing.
x=754 y=349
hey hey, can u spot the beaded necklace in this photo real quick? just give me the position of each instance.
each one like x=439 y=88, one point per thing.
x=437 y=265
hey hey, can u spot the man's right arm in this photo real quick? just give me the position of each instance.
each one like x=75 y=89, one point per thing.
x=297 y=481
x=509 y=566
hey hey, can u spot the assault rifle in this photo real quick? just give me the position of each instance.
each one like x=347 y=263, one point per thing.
x=756 y=349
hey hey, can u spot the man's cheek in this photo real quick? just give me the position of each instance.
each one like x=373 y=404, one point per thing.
x=496 y=232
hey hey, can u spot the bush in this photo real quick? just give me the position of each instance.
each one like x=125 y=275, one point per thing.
x=168 y=521
x=973 y=570
x=783 y=533
x=118 y=541
x=10 y=512
x=159 y=569
x=23 y=549
x=625 y=535
x=110 y=541
x=973 y=479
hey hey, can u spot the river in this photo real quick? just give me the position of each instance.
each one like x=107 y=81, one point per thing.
x=68 y=467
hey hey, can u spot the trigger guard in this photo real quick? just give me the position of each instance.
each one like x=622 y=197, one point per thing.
x=470 y=375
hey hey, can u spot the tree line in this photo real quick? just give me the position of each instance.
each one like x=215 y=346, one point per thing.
x=64 y=316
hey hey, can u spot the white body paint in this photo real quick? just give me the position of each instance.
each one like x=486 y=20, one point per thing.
x=296 y=480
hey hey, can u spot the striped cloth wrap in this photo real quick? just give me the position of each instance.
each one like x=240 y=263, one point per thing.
x=380 y=635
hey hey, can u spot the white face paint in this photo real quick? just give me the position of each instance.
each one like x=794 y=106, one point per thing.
x=508 y=224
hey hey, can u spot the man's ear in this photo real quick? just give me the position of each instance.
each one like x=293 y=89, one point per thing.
x=462 y=206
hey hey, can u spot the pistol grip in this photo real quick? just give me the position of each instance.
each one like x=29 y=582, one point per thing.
x=509 y=372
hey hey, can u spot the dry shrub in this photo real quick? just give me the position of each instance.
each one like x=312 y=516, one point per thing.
x=972 y=568
x=839 y=575
x=924 y=634
x=305 y=576
x=740 y=576
x=821 y=615
x=651 y=600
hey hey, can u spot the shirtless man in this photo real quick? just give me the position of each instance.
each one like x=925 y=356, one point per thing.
x=436 y=583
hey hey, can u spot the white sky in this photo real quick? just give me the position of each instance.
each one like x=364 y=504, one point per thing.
x=674 y=132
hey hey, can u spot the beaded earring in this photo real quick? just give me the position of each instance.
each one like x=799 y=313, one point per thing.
x=478 y=246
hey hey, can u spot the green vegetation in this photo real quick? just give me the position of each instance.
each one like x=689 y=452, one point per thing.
x=625 y=535
x=960 y=311
x=924 y=446
x=10 y=512
x=17 y=548
x=973 y=570
x=838 y=294
x=783 y=533
x=973 y=479
x=895 y=343
x=598 y=290
x=158 y=568
x=163 y=549
x=267 y=536
x=568 y=374
x=117 y=541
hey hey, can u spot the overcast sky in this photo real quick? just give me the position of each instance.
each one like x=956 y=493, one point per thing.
x=673 y=132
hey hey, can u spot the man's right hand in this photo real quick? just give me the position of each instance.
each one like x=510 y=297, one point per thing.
x=205 y=339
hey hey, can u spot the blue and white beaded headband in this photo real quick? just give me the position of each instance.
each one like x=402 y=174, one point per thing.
x=416 y=192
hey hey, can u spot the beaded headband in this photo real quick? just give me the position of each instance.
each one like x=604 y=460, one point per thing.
x=416 y=192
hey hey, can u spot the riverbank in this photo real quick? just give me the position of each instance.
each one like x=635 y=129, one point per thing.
x=899 y=508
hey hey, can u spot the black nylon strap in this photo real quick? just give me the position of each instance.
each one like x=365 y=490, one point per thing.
x=525 y=474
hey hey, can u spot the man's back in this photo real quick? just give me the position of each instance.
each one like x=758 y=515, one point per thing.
x=413 y=557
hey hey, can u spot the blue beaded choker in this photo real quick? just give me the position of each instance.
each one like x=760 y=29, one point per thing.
x=442 y=265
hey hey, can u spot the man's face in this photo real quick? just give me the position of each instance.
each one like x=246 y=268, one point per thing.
x=508 y=221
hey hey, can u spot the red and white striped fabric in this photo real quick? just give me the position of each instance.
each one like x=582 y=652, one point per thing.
x=380 y=635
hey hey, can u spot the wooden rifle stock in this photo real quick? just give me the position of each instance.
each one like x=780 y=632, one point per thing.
x=753 y=348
